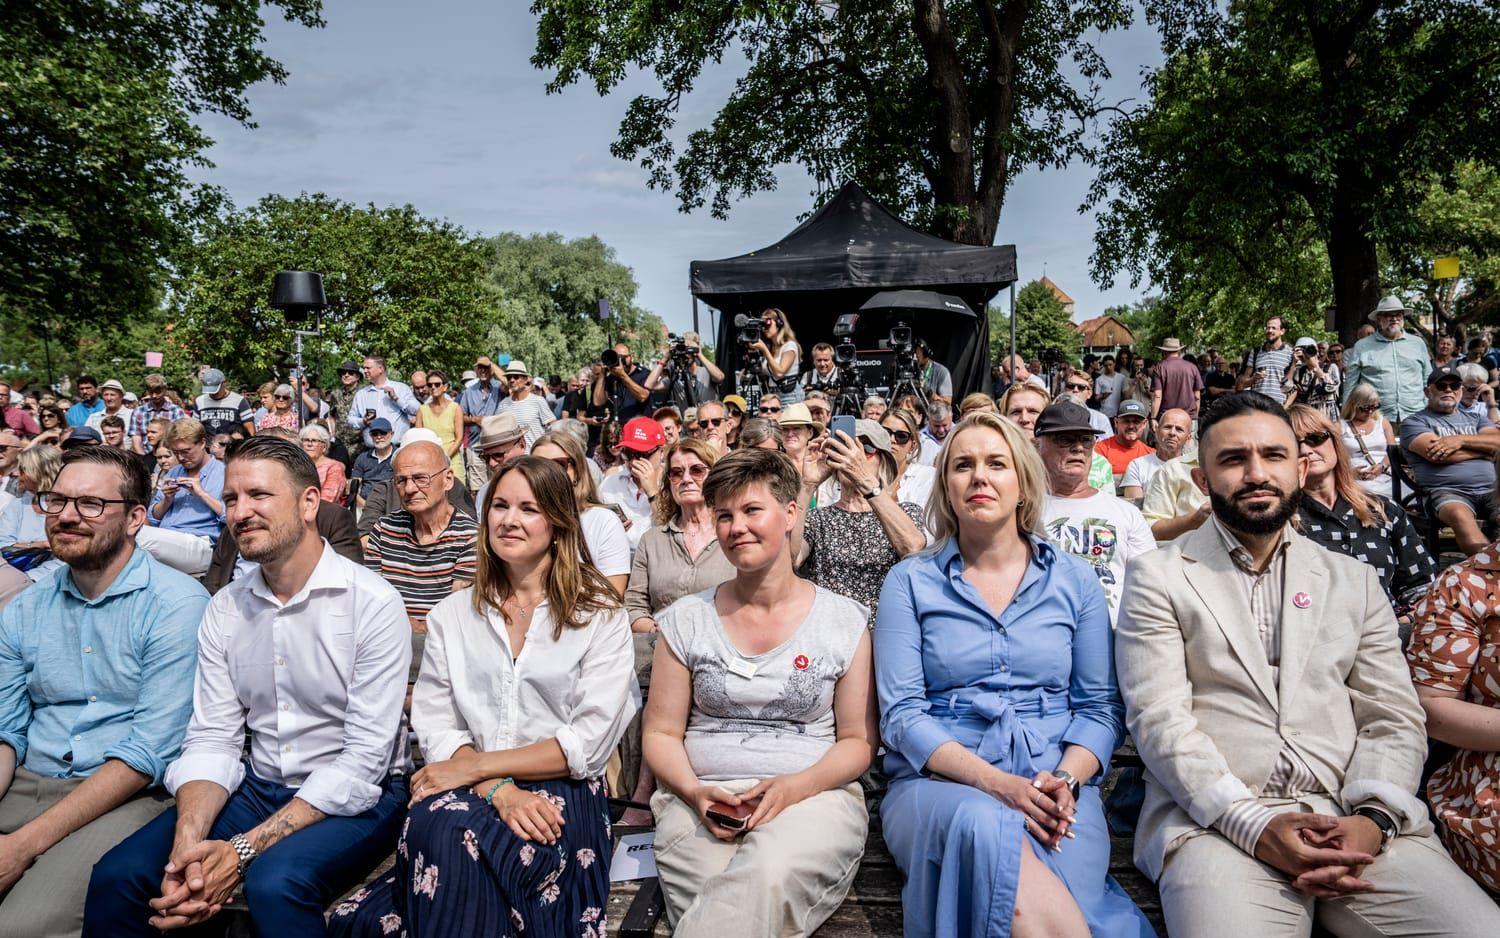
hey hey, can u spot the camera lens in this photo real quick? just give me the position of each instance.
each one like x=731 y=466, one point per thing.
x=609 y=358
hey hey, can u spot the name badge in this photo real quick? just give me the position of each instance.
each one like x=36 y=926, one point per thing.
x=742 y=668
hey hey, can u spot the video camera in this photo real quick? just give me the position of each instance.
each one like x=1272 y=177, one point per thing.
x=843 y=330
x=748 y=330
x=682 y=354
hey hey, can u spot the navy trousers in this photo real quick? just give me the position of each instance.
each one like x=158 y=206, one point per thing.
x=287 y=887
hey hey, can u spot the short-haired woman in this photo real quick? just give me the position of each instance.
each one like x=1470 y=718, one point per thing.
x=315 y=440
x=759 y=723
x=603 y=531
x=1346 y=519
x=279 y=411
x=999 y=710
x=849 y=546
x=1368 y=438
x=525 y=689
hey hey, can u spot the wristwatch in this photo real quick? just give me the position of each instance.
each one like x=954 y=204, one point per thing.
x=1388 y=829
x=246 y=853
x=873 y=492
x=1074 y=785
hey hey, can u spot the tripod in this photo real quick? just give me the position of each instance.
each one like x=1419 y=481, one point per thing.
x=850 y=399
x=683 y=394
x=905 y=384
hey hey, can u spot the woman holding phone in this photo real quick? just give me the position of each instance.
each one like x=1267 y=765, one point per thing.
x=761 y=720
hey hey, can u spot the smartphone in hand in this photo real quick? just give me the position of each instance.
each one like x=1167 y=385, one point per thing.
x=843 y=423
x=730 y=817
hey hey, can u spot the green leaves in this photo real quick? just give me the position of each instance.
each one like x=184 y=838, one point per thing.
x=934 y=122
x=1041 y=323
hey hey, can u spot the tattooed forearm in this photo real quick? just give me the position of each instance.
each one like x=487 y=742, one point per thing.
x=293 y=816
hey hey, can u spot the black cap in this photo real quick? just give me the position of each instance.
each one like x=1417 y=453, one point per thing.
x=350 y=365
x=1441 y=372
x=1065 y=416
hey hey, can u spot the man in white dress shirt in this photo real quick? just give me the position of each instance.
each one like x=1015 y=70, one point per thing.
x=311 y=653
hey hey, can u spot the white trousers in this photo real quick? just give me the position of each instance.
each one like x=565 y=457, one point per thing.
x=1211 y=887
x=188 y=553
x=782 y=879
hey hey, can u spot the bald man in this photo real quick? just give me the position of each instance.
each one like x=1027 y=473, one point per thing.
x=1173 y=430
x=425 y=549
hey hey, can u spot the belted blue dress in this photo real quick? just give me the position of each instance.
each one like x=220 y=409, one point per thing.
x=1016 y=690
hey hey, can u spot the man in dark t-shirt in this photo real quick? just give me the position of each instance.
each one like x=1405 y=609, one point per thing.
x=221 y=410
x=1176 y=383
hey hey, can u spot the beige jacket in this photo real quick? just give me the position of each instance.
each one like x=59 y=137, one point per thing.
x=1208 y=715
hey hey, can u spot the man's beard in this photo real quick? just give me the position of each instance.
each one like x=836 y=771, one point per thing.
x=279 y=541
x=99 y=549
x=1228 y=511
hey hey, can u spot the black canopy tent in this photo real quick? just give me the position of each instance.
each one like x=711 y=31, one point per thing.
x=849 y=250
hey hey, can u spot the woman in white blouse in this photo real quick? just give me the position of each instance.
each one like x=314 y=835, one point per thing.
x=525 y=689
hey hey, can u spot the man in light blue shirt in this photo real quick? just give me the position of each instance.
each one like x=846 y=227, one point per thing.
x=382 y=397
x=1392 y=361
x=96 y=688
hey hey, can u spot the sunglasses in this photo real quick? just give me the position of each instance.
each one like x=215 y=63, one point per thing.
x=770 y=410
x=902 y=437
x=436 y=384
x=563 y=462
x=1315 y=439
x=283 y=397
x=710 y=422
x=1367 y=408
x=676 y=473
x=1449 y=385
x=1077 y=387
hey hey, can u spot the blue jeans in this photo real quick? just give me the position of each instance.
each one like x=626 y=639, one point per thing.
x=287 y=888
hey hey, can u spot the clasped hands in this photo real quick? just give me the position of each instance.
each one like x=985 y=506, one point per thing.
x=1323 y=855
x=200 y=878
x=1044 y=800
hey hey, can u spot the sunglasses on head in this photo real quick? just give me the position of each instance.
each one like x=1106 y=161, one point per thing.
x=1315 y=439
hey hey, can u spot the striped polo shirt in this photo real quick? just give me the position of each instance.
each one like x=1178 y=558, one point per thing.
x=422 y=573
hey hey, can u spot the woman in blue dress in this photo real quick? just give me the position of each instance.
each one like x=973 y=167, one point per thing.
x=999 y=709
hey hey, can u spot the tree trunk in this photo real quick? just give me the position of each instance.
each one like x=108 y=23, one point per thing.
x=1355 y=265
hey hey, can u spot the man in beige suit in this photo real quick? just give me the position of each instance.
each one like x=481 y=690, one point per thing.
x=1269 y=699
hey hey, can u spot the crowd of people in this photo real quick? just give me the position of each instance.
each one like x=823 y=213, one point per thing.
x=222 y=625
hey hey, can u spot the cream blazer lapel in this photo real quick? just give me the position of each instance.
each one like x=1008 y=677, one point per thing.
x=1210 y=571
x=1306 y=592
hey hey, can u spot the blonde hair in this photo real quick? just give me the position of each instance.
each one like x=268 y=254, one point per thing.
x=575 y=587
x=972 y=403
x=1031 y=478
x=665 y=508
x=42 y=463
x=585 y=492
x=1367 y=508
x=185 y=430
x=1361 y=393
x=1021 y=387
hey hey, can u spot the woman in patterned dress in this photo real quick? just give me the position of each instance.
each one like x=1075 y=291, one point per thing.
x=1455 y=661
x=526 y=687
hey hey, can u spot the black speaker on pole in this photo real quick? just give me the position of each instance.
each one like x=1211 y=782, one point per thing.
x=298 y=293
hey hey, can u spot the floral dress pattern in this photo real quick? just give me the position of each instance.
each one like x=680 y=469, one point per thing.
x=460 y=870
x=1455 y=646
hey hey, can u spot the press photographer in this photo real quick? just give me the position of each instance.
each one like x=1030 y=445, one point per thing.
x=783 y=366
x=684 y=377
x=621 y=383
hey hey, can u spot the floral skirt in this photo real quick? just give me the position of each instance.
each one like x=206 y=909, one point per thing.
x=460 y=870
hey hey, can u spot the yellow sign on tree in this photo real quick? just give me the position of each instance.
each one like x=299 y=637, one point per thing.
x=1445 y=268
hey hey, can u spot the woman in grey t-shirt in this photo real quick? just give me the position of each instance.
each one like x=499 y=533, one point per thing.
x=762 y=705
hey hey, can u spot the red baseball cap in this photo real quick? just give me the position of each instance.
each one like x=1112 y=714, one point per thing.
x=642 y=434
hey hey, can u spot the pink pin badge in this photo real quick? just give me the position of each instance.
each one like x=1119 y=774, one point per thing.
x=1301 y=600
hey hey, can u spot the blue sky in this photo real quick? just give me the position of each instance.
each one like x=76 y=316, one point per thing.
x=436 y=104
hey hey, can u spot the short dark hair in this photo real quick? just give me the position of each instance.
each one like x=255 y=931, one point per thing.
x=1238 y=404
x=135 y=485
x=87 y=379
x=298 y=465
x=112 y=420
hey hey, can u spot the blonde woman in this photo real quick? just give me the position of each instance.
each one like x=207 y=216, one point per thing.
x=315 y=439
x=783 y=355
x=603 y=531
x=526 y=688
x=1368 y=437
x=995 y=746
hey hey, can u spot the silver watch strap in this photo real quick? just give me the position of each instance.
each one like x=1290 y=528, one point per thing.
x=244 y=851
